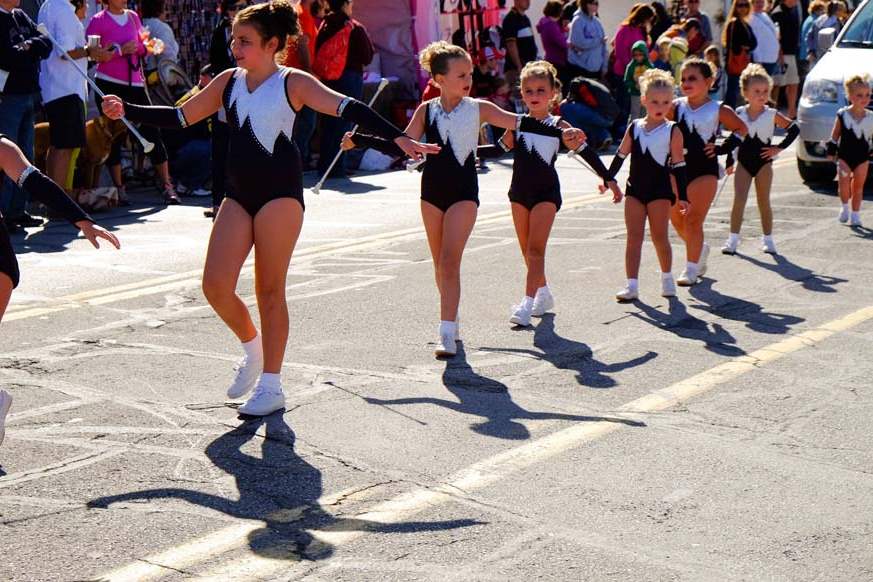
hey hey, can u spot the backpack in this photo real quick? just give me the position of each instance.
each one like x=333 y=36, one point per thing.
x=331 y=56
x=594 y=95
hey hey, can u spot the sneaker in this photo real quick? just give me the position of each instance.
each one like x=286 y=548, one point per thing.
x=447 y=345
x=5 y=405
x=263 y=401
x=768 y=246
x=169 y=193
x=521 y=316
x=687 y=279
x=201 y=192
x=730 y=247
x=668 y=287
x=855 y=219
x=844 y=214
x=181 y=189
x=627 y=294
x=704 y=256
x=247 y=374
x=544 y=301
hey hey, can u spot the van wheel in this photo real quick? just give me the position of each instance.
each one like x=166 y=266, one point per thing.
x=817 y=173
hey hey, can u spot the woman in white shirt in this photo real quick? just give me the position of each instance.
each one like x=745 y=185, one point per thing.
x=153 y=14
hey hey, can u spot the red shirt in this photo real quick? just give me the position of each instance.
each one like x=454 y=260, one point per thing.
x=307 y=29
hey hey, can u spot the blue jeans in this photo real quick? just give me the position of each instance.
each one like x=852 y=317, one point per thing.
x=595 y=125
x=16 y=122
x=351 y=83
x=192 y=165
x=732 y=95
x=303 y=131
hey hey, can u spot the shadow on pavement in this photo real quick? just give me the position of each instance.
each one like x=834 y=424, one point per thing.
x=487 y=398
x=736 y=309
x=566 y=354
x=278 y=487
x=862 y=232
x=794 y=272
x=678 y=321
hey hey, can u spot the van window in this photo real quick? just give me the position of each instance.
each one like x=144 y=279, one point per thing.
x=860 y=30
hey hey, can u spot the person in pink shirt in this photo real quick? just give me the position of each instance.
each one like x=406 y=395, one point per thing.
x=554 y=38
x=120 y=30
x=633 y=29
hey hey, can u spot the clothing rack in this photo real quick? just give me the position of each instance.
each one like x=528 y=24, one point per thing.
x=192 y=22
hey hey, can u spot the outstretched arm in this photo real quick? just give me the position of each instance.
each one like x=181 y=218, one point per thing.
x=492 y=114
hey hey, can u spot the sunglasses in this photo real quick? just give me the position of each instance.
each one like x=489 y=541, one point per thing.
x=744 y=5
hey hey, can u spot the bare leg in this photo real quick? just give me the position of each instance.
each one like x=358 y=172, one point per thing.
x=5 y=293
x=742 y=183
x=701 y=193
x=542 y=217
x=432 y=217
x=845 y=182
x=791 y=97
x=276 y=229
x=163 y=171
x=521 y=221
x=57 y=165
x=229 y=245
x=658 y=212
x=763 y=183
x=635 y=221
x=457 y=225
x=115 y=173
x=859 y=176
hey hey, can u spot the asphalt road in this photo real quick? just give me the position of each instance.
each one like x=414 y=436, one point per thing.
x=723 y=435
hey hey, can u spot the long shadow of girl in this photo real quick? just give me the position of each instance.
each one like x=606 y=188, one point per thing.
x=678 y=321
x=487 y=398
x=794 y=272
x=280 y=488
x=736 y=309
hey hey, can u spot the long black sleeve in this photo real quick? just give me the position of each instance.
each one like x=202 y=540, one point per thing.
x=387 y=147
x=593 y=160
x=728 y=145
x=680 y=172
x=791 y=133
x=157 y=116
x=359 y=114
x=42 y=189
x=531 y=125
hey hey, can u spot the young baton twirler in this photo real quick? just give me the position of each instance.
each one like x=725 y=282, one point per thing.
x=850 y=147
x=449 y=182
x=755 y=155
x=535 y=191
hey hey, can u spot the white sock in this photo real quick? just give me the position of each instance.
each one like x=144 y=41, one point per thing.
x=633 y=284
x=856 y=215
x=668 y=276
x=543 y=289
x=734 y=238
x=447 y=327
x=768 y=238
x=271 y=381
x=689 y=266
x=253 y=348
x=527 y=302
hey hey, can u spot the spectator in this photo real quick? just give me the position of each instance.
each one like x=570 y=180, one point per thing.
x=787 y=17
x=359 y=53
x=22 y=48
x=221 y=59
x=833 y=18
x=154 y=14
x=485 y=76
x=634 y=28
x=678 y=53
x=712 y=55
x=739 y=42
x=119 y=30
x=693 y=11
x=766 y=53
x=554 y=38
x=806 y=54
x=518 y=40
x=300 y=54
x=639 y=64
x=590 y=107
x=64 y=91
x=663 y=22
x=587 y=55
x=663 y=59
x=692 y=33
x=190 y=159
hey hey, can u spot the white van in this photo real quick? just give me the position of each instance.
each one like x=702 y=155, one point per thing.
x=849 y=54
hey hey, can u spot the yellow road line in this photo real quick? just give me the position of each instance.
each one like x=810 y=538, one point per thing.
x=192 y=278
x=475 y=477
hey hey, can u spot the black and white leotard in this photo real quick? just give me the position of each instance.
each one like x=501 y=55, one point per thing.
x=761 y=130
x=855 y=137
x=450 y=176
x=263 y=162
x=699 y=127
x=534 y=178
x=649 y=178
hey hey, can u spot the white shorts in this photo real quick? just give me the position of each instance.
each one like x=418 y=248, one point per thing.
x=791 y=76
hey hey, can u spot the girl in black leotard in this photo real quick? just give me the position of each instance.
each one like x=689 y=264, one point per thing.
x=264 y=203
x=535 y=192
x=850 y=146
x=755 y=155
x=14 y=165
x=449 y=184
x=699 y=118
x=657 y=178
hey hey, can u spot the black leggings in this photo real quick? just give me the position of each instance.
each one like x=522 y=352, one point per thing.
x=136 y=95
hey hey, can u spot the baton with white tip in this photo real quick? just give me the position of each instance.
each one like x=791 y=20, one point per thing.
x=317 y=188
x=147 y=146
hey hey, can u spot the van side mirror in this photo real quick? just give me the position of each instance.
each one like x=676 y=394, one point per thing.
x=825 y=40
